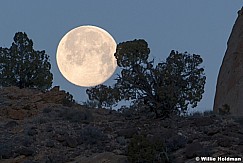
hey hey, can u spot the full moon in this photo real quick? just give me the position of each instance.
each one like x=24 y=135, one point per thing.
x=85 y=56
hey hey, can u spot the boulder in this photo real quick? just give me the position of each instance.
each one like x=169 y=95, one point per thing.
x=229 y=89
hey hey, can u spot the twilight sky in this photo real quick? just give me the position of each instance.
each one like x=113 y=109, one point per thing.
x=200 y=27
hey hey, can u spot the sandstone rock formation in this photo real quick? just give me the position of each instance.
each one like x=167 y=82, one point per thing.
x=229 y=89
x=19 y=103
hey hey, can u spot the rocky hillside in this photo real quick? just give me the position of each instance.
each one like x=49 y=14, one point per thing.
x=44 y=127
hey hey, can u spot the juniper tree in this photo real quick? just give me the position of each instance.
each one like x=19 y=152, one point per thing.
x=167 y=88
x=22 y=66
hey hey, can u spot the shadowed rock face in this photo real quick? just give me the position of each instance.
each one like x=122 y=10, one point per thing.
x=229 y=89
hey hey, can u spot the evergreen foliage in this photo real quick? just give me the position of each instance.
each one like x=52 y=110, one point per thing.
x=141 y=150
x=24 y=67
x=167 y=88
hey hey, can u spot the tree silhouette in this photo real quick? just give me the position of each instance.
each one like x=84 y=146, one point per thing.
x=167 y=88
x=104 y=95
x=22 y=66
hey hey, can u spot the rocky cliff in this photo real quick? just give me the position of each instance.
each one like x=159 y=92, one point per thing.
x=229 y=89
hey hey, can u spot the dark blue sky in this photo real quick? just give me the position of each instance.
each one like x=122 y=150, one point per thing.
x=200 y=27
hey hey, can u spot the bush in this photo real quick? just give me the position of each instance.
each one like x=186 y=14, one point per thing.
x=128 y=112
x=40 y=120
x=225 y=110
x=91 y=135
x=68 y=100
x=208 y=113
x=91 y=104
x=46 y=110
x=76 y=115
x=142 y=150
x=197 y=114
x=176 y=142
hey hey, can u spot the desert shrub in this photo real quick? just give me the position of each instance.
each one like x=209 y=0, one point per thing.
x=91 y=104
x=76 y=115
x=128 y=112
x=39 y=120
x=6 y=151
x=46 y=110
x=225 y=110
x=68 y=100
x=176 y=142
x=197 y=114
x=141 y=150
x=208 y=113
x=91 y=135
